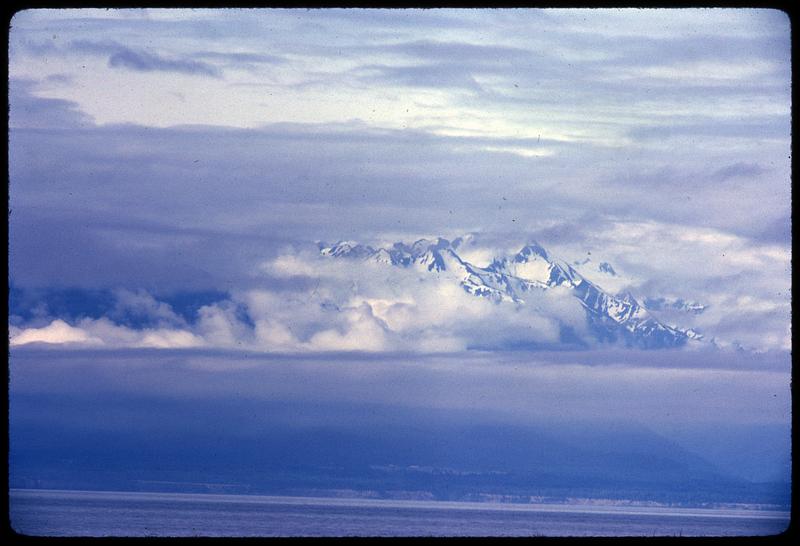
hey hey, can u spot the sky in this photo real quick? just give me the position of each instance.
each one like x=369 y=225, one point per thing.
x=186 y=148
x=172 y=171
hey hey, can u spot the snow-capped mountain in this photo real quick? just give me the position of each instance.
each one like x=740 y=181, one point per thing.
x=603 y=267
x=679 y=304
x=514 y=278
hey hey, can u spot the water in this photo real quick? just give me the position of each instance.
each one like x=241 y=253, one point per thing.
x=94 y=513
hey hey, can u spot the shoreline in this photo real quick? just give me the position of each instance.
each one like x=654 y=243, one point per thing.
x=570 y=505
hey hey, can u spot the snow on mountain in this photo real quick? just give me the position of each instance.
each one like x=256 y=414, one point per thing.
x=605 y=267
x=678 y=304
x=348 y=249
x=517 y=278
x=610 y=277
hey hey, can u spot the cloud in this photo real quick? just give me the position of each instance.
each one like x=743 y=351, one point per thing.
x=352 y=307
x=31 y=111
x=104 y=333
x=122 y=56
x=61 y=79
x=121 y=318
x=57 y=332
x=242 y=60
x=741 y=280
x=454 y=180
x=224 y=324
x=451 y=116
x=148 y=62
x=432 y=52
x=406 y=306
x=168 y=339
x=301 y=301
x=780 y=231
x=362 y=332
x=142 y=307
x=436 y=76
x=676 y=388
x=736 y=170
x=290 y=265
x=767 y=127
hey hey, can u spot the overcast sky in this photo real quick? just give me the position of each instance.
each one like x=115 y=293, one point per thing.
x=172 y=170
x=153 y=151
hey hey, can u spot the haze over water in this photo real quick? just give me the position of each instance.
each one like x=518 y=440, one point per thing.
x=59 y=513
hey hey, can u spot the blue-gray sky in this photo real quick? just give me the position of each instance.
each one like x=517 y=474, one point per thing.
x=184 y=149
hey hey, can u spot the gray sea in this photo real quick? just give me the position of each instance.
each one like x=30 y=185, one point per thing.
x=96 y=513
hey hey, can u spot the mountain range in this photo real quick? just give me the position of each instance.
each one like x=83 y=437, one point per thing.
x=520 y=277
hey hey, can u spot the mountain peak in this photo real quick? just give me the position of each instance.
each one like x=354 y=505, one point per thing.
x=530 y=250
x=514 y=279
x=605 y=267
x=346 y=249
x=421 y=246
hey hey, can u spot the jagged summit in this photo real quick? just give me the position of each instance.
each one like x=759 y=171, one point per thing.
x=514 y=278
x=346 y=249
x=605 y=267
x=434 y=255
x=531 y=250
x=659 y=304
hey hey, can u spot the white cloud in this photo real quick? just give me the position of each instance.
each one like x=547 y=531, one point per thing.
x=521 y=151
x=170 y=339
x=141 y=304
x=288 y=265
x=271 y=335
x=702 y=72
x=104 y=333
x=362 y=332
x=357 y=305
x=353 y=306
x=744 y=283
x=57 y=332
x=219 y=326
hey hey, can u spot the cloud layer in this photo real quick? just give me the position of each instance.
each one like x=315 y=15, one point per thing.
x=197 y=145
x=629 y=386
x=303 y=301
